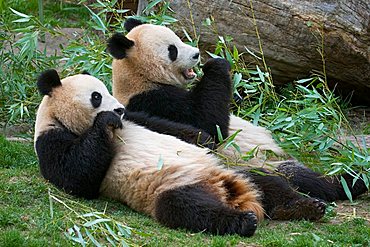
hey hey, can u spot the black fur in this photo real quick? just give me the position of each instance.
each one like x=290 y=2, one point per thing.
x=172 y=52
x=130 y=23
x=280 y=201
x=78 y=164
x=85 y=72
x=204 y=107
x=96 y=99
x=184 y=132
x=48 y=80
x=317 y=185
x=118 y=44
x=195 y=208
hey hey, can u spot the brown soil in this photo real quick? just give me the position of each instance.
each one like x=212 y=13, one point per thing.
x=358 y=209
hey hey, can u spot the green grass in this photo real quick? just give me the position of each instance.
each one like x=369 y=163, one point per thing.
x=56 y=12
x=25 y=218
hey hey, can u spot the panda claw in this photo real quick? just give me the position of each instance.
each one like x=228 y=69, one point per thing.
x=248 y=224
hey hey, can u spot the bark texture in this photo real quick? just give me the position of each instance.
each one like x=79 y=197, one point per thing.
x=289 y=31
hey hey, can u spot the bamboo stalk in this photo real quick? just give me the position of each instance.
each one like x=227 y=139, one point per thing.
x=41 y=17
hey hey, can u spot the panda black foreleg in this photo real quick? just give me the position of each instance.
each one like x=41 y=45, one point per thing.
x=184 y=132
x=77 y=164
x=211 y=97
x=280 y=201
x=317 y=185
x=194 y=208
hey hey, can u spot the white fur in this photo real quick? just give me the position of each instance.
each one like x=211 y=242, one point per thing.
x=153 y=41
x=158 y=38
x=136 y=176
x=250 y=137
x=85 y=85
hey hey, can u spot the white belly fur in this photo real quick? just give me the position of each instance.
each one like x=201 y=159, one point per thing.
x=134 y=176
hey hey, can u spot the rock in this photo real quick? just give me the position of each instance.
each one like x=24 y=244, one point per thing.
x=290 y=35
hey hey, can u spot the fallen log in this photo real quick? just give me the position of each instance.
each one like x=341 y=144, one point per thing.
x=290 y=32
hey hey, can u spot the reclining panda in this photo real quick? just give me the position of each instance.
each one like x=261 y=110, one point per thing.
x=87 y=150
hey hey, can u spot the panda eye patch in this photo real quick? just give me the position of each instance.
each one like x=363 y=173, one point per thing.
x=172 y=52
x=96 y=99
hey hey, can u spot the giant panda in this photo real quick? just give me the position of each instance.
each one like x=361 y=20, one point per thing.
x=151 y=66
x=87 y=147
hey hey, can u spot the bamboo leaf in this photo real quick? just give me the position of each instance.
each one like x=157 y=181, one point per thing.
x=22 y=20
x=151 y=5
x=114 y=235
x=213 y=55
x=346 y=189
x=93 y=222
x=219 y=134
x=93 y=240
x=335 y=171
x=125 y=231
x=260 y=74
x=20 y=14
x=101 y=26
x=366 y=180
x=237 y=78
x=160 y=163
x=110 y=241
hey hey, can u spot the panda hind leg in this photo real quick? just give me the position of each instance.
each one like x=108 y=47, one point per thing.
x=281 y=201
x=195 y=208
x=303 y=208
x=317 y=185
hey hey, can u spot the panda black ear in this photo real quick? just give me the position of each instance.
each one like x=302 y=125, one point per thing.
x=47 y=81
x=118 y=44
x=130 y=23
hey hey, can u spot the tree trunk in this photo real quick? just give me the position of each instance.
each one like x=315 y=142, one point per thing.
x=290 y=34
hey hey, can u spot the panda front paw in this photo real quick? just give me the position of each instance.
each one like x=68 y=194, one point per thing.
x=108 y=120
x=217 y=65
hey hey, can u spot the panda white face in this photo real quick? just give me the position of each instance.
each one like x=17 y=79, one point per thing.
x=88 y=97
x=91 y=94
x=159 y=49
x=74 y=102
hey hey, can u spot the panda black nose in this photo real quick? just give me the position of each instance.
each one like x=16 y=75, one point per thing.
x=119 y=111
x=196 y=56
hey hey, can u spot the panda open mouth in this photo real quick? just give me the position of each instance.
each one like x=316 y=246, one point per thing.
x=189 y=74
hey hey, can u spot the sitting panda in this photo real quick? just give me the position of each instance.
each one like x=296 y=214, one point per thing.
x=85 y=148
x=151 y=65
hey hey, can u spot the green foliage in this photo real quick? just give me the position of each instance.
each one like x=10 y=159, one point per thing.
x=21 y=62
x=12 y=238
x=91 y=227
x=15 y=155
x=57 y=13
x=305 y=117
x=158 y=12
